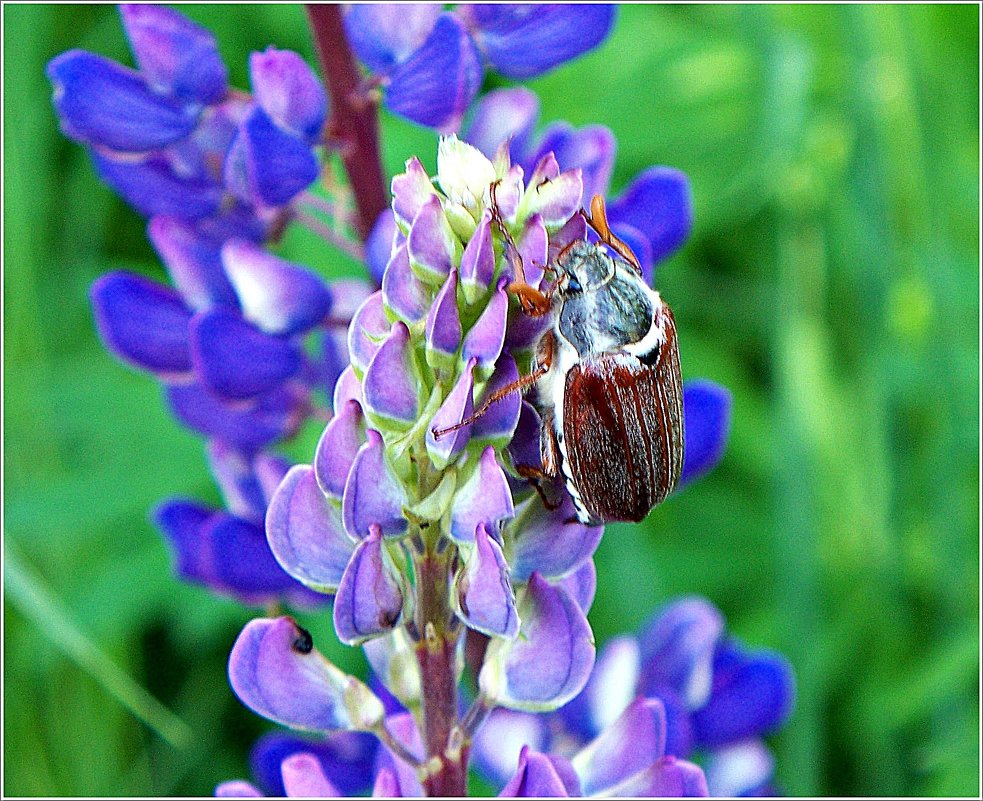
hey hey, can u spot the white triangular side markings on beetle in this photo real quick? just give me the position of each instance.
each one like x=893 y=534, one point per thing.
x=656 y=335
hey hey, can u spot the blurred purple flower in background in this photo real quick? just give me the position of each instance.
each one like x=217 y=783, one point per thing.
x=437 y=552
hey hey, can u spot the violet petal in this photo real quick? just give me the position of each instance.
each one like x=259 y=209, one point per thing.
x=390 y=386
x=303 y=777
x=456 y=407
x=237 y=480
x=379 y=245
x=373 y=495
x=753 y=693
x=677 y=649
x=403 y=729
x=484 y=597
x=581 y=584
x=404 y=294
x=288 y=91
x=305 y=533
x=142 y=322
x=277 y=295
x=368 y=329
x=385 y=34
x=668 y=777
x=478 y=261
x=439 y=80
x=347 y=388
x=410 y=190
x=443 y=327
x=706 y=410
x=369 y=601
x=487 y=336
x=551 y=659
x=497 y=425
x=237 y=788
x=193 y=263
x=591 y=148
x=276 y=672
x=630 y=744
x=553 y=542
x=237 y=360
x=741 y=769
x=336 y=449
x=174 y=53
x=106 y=104
x=658 y=203
x=482 y=498
x=249 y=426
x=268 y=165
x=503 y=115
x=535 y=777
x=556 y=199
x=346 y=758
x=501 y=738
x=433 y=247
x=522 y=41
x=153 y=186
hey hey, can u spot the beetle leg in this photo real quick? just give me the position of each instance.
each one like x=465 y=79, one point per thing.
x=545 y=361
x=537 y=478
x=532 y=301
x=598 y=220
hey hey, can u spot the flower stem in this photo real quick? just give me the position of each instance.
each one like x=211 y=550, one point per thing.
x=354 y=126
x=436 y=654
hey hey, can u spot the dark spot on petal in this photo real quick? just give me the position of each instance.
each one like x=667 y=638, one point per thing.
x=303 y=643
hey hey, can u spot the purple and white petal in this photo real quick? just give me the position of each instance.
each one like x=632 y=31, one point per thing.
x=336 y=450
x=237 y=788
x=741 y=769
x=535 y=777
x=373 y=495
x=534 y=249
x=403 y=729
x=677 y=649
x=442 y=331
x=487 y=336
x=483 y=595
x=503 y=115
x=581 y=584
x=280 y=297
x=175 y=54
x=496 y=426
x=303 y=777
x=379 y=245
x=390 y=386
x=276 y=672
x=522 y=41
x=368 y=329
x=437 y=83
x=142 y=322
x=235 y=359
x=410 y=191
x=392 y=658
x=630 y=744
x=483 y=498
x=668 y=777
x=369 y=601
x=457 y=406
x=433 y=246
x=386 y=785
x=478 y=261
x=346 y=758
x=403 y=293
x=591 y=148
x=237 y=480
x=706 y=410
x=658 y=202
x=347 y=388
x=384 y=34
x=269 y=469
x=289 y=92
x=551 y=659
x=612 y=685
x=305 y=532
x=554 y=543
x=193 y=263
x=501 y=738
x=555 y=199
x=108 y=105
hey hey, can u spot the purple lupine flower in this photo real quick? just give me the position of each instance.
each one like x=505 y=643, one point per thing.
x=430 y=62
x=718 y=700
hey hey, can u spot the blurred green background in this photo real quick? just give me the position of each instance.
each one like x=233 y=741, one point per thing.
x=831 y=282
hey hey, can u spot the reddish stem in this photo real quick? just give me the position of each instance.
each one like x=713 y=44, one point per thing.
x=354 y=126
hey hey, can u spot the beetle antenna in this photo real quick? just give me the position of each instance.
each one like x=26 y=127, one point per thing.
x=531 y=300
x=598 y=221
